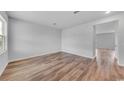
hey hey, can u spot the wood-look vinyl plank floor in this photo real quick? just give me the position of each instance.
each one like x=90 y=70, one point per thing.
x=58 y=66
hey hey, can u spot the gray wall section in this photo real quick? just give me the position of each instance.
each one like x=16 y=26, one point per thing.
x=106 y=27
x=28 y=39
x=4 y=56
x=105 y=40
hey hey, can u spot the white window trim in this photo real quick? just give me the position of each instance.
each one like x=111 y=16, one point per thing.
x=2 y=51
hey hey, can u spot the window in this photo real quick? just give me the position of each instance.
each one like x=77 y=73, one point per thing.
x=2 y=35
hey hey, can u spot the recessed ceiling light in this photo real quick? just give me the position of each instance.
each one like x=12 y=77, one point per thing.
x=107 y=12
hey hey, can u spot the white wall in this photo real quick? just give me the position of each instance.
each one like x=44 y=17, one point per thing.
x=79 y=39
x=27 y=39
x=4 y=56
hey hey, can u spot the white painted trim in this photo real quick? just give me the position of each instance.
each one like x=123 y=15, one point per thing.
x=67 y=51
x=46 y=54
x=33 y=56
x=3 y=19
x=4 y=28
x=1 y=72
x=5 y=51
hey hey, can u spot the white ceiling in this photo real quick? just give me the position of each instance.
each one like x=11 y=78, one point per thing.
x=63 y=19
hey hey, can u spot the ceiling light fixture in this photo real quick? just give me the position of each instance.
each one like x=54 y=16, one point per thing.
x=75 y=12
x=107 y=12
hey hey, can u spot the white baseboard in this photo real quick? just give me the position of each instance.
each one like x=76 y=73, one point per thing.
x=13 y=60
x=67 y=51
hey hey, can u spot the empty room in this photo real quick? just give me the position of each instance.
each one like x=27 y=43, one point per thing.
x=61 y=45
